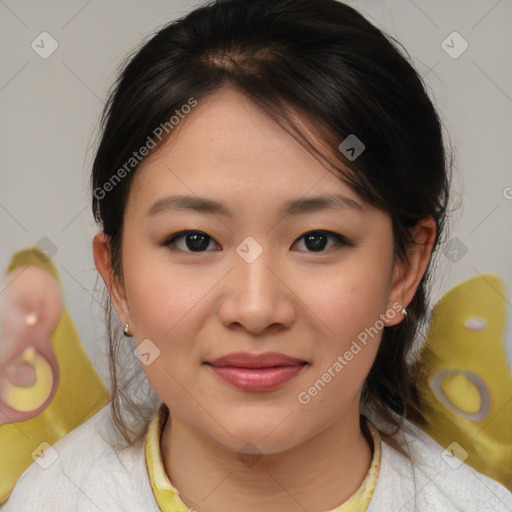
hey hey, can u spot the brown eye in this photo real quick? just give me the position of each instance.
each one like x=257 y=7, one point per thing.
x=316 y=241
x=189 y=241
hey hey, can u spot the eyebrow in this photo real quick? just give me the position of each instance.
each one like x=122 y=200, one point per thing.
x=292 y=207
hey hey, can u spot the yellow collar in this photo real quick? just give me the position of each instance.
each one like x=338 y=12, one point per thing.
x=168 y=498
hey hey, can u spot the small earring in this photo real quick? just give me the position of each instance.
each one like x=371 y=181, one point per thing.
x=125 y=330
x=404 y=312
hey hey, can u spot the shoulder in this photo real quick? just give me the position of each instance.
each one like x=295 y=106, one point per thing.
x=433 y=480
x=83 y=471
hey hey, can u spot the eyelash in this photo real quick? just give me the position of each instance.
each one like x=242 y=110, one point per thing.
x=340 y=241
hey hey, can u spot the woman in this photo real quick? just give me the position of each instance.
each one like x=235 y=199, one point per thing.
x=271 y=184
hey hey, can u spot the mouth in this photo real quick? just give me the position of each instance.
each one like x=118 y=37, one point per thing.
x=257 y=372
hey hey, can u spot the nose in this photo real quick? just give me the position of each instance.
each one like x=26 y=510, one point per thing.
x=256 y=296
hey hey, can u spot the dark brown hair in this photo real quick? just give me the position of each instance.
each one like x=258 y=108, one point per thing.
x=319 y=59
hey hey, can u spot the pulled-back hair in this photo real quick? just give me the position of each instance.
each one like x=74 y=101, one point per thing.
x=319 y=60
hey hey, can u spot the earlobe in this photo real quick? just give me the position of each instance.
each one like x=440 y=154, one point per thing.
x=103 y=262
x=407 y=275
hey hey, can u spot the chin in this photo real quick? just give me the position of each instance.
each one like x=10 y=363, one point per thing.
x=257 y=435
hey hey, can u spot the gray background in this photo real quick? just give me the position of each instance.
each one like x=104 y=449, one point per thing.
x=50 y=110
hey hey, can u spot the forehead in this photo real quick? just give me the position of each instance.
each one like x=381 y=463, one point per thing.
x=227 y=147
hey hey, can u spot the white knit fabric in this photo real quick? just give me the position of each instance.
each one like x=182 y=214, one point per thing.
x=90 y=476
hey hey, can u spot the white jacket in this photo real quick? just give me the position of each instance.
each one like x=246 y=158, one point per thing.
x=89 y=475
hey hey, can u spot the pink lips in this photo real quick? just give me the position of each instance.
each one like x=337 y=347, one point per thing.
x=256 y=372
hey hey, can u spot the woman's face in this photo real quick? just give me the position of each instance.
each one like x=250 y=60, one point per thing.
x=252 y=278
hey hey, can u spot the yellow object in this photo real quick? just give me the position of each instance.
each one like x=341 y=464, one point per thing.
x=168 y=498
x=25 y=397
x=31 y=319
x=462 y=393
x=80 y=395
x=465 y=383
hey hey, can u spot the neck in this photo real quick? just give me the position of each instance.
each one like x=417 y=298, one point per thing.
x=211 y=478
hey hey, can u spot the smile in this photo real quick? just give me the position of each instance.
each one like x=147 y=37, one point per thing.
x=256 y=372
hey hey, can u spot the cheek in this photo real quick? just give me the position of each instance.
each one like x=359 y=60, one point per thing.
x=166 y=306
x=352 y=301
x=160 y=295
x=349 y=309
x=349 y=305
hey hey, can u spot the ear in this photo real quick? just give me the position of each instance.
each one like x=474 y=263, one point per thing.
x=103 y=262
x=407 y=275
